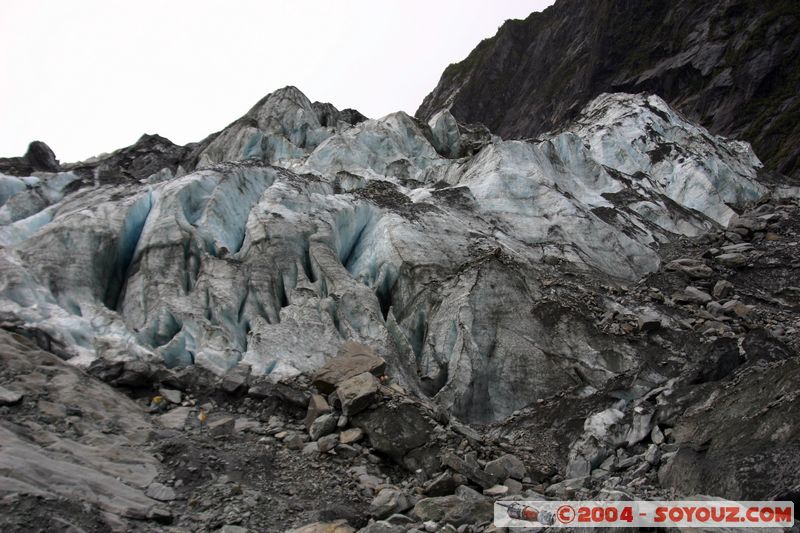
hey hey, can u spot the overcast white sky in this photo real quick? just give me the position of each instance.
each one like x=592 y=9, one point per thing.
x=90 y=76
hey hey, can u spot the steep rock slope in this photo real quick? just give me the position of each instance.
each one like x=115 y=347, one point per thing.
x=314 y=230
x=732 y=66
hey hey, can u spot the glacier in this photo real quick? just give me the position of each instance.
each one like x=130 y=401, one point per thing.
x=452 y=252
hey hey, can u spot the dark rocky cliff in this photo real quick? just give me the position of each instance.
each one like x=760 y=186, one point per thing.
x=732 y=65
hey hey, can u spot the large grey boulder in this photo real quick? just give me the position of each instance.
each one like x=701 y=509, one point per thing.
x=691 y=295
x=383 y=526
x=357 y=393
x=317 y=406
x=453 y=510
x=388 y=502
x=336 y=526
x=9 y=397
x=395 y=428
x=506 y=466
x=323 y=425
x=444 y=484
x=41 y=157
x=236 y=379
x=353 y=359
x=470 y=468
x=693 y=268
x=161 y=492
x=733 y=260
x=176 y=418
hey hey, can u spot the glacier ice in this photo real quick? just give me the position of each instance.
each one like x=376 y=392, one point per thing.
x=434 y=243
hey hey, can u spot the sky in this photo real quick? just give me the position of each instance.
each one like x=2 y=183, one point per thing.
x=91 y=76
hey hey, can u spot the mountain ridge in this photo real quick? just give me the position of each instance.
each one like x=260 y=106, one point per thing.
x=732 y=66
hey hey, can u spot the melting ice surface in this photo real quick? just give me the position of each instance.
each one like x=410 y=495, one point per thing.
x=296 y=233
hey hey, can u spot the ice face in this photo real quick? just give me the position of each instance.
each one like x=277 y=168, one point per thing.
x=300 y=230
x=642 y=134
x=393 y=146
x=281 y=128
x=21 y=198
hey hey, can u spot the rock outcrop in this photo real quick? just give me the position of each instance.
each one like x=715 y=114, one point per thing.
x=38 y=158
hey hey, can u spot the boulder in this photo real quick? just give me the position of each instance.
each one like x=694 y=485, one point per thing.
x=295 y=441
x=735 y=307
x=722 y=357
x=656 y=435
x=641 y=426
x=732 y=260
x=349 y=436
x=466 y=492
x=353 y=359
x=106 y=370
x=514 y=486
x=454 y=510
x=400 y=520
x=160 y=492
x=653 y=454
x=748 y=223
x=740 y=248
x=310 y=448
x=649 y=322
x=444 y=484
x=425 y=458
x=230 y=528
x=383 y=526
x=135 y=373
x=317 y=406
x=357 y=393
x=496 y=491
x=693 y=268
x=716 y=310
x=281 y=391
x=41 y=157
x=345 y=450
x=723 y=289
x=394 y=429
x=470 y=468
x=566 y=489
x=175 y=419
x=506 y=466
x=323 y=425
x=338 y=526
x=221 y=425
x=9 y=397
x=235 y=379
x=171 y=395
x=388 y=502
x=327 y=443
x=691 y=295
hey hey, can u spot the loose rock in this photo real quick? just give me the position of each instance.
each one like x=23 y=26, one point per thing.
x=353 y=359
x=9 y=397
x=357 y=393
x=389 y=501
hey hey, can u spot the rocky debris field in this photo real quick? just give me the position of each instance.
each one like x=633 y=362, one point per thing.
x=186 y=451
x=718 y=412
